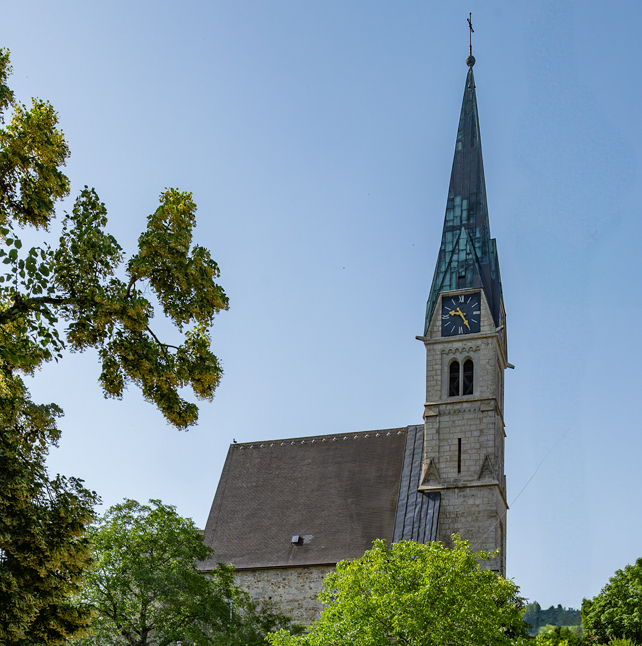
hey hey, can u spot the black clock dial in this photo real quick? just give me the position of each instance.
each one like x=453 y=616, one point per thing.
x=460 y=314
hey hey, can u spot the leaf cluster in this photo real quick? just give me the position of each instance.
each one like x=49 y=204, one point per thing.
x=414 y=594
x=77 y=283
x=80 y=292
x=616 y=613
x=146 y=589
x=43 y=546
x=552 y=635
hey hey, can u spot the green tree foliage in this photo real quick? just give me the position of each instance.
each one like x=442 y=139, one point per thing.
x=146 y=589
x=43 y=549
x=80 y=292
x=414 y=594
x=560 y=636
x=79 y=282
x=616 y=613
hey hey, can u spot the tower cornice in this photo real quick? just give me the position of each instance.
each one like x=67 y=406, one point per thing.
x=465 y=485
x=451 y=402
x=469 y=338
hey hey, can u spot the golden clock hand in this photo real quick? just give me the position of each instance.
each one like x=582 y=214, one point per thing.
x=463 y=318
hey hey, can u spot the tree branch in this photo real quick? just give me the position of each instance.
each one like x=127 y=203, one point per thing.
x=162 y=345
x=132 y=283
x=25 y=305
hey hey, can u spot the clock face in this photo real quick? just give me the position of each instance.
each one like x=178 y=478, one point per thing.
x=460 y=314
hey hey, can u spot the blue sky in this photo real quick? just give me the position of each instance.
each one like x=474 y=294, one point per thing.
x=317 y=138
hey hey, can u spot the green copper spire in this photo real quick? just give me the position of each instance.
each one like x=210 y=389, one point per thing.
x=468 y=255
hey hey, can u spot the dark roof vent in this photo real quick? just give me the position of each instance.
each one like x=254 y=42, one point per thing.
x=297 y=540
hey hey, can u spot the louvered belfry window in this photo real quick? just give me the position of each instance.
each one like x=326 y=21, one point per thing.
x=453 y=382
x=469 y=373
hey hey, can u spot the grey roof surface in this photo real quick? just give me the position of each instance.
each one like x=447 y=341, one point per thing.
x=338 y=492
x=417 y=512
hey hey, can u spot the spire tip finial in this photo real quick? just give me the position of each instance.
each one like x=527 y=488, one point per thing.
x=470 y=61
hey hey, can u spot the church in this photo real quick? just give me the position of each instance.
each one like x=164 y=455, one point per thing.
x=286 y=511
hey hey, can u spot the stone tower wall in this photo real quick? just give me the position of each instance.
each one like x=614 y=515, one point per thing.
x=477 y=514
x=471 y=478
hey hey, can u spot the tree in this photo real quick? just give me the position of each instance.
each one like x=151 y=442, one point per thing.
x=43 y=549
x=616 y=613
x=104 y=303
x=147 y=591
x=551 y=635
x=414 y=594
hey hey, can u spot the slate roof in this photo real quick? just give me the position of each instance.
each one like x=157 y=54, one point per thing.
x=337 y=492
x=417 y=512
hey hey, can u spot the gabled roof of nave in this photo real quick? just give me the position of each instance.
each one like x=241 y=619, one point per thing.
x=338 y=492
x=468 y=255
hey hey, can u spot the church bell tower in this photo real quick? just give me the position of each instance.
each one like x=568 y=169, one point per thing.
x=466 y=355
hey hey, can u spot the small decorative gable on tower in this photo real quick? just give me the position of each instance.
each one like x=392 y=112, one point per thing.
x=468 y=255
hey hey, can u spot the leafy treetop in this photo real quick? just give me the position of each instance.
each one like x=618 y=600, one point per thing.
x=81 y=282
x=616 y=613
x=146 y=589
x=78 y=280
x=551 y=635
x=414 y=594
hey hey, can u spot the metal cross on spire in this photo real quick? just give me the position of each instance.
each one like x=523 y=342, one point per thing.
x=470 y=61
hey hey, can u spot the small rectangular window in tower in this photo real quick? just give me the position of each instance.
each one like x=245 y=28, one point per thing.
x=459 y=455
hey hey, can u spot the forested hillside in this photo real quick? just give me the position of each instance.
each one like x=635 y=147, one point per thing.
x=553 y=616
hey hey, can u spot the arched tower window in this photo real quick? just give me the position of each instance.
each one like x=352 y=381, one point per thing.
x=453 y=380
x=469 y=373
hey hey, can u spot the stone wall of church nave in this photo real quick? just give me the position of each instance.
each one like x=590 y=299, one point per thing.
x=292 y=590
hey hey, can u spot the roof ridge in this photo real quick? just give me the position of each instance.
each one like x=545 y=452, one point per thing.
x=314 y=439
